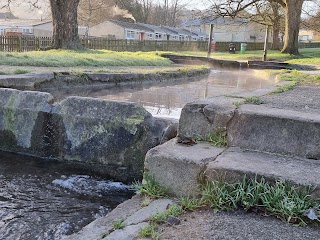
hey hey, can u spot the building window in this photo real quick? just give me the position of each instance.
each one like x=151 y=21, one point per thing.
x=130 y=34
x=181 y=38
x=158 y=36
x=150 y=36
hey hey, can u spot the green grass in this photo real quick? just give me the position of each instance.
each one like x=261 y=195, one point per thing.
x=68 y=58
x=218 y=138
x=150 y=231
x=149 y=187
x=190 y=203
x=118 y=224
x=280 y=199
x=173 y=210
x=20 y=71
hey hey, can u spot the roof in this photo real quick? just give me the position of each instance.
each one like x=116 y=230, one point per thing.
x=159 y=29
x=178 y=30
x=22 y=22
x=131 y=25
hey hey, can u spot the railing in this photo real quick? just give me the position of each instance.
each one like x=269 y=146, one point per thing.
x=31 y=43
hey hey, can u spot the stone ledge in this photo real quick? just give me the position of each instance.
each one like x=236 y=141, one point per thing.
x=178 y=167
x=234 y=164
x=275 y=130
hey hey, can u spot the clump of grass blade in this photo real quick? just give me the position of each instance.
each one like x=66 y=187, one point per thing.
x=149 y=231
x=118 y=224
x=218 y=138
x=149 y=187
x=280 y=199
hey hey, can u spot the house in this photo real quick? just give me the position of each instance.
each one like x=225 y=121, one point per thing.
x=160 y=33
x=228 y=29
x=30 y=27
x=308 y=35
x=142 y=31
x=26 y=27
x=121 y=30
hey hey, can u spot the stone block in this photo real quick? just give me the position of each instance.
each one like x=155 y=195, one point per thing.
x=178 y=167
x=262 y=128
x=23 y=116
x=111 y=136
x=235 y=163
x=199 y=119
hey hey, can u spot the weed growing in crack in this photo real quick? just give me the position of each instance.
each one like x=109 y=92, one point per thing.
x=118 y=224
x=149 y=231
x=149 y=187
x=218 y=138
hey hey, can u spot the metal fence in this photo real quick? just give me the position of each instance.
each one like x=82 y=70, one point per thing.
x=31 y=43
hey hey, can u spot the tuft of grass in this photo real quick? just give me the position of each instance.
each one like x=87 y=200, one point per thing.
x=173 y=210
x=253 y=100
x=190 y=203
x=280 y=199
x=118 y=224
x=149 y=231
x=218 y=138
x=285 y=87
x=149 y=187
x=20 y=71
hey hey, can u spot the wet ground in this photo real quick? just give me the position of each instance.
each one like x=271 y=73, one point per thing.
x=167 y=98
x=42 y=199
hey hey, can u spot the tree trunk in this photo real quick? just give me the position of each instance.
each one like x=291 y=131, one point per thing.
x=65 y=24
x=275 y=26
x=292 y=10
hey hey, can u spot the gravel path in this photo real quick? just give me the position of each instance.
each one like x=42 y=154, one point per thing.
x=205 y=225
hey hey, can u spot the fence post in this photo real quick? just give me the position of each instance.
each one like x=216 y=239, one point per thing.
x=19 y=43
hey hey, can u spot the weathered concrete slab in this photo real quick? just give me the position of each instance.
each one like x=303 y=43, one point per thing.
x=103 y=226
x=177 y=167
x=199 y=119
x=275 y=130
x=24 y=81
x=128 y=233
x=114 y=136
x=235 y=163
x=144 y=214
x=23 y=117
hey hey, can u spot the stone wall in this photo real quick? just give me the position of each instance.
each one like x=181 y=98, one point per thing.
x=108 y=136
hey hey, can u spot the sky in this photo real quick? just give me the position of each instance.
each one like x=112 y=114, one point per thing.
x=22 y=9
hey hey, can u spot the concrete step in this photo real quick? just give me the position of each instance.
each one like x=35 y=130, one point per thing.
x=235 y=163
x=178 y=167
x=267 y=66
x=268 y=63
x=274 y=130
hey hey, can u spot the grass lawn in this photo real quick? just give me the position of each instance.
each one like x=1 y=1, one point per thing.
x=65 y=58
x=309 y=56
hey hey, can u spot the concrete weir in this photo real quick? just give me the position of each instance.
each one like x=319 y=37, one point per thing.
x=108 y=136
x=265 y=141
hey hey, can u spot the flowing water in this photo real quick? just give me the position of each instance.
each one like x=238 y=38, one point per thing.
x=167 y=98
x=42 y=199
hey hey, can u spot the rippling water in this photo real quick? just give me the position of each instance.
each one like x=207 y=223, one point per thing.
x=42 y=199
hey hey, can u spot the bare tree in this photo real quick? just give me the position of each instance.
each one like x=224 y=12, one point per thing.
x=292 y=10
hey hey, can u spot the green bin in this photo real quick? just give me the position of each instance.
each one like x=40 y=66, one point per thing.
x=243 y=47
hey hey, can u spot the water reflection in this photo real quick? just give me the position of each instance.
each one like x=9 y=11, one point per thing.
x=168 y=97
